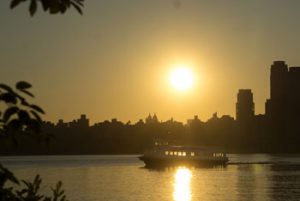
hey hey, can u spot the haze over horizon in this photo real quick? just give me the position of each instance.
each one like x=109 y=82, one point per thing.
x=115 y=60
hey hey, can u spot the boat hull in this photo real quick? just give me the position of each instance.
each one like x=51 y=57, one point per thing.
x=196 y=162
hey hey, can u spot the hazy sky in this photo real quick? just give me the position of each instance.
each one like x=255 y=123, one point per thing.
x=114 y=61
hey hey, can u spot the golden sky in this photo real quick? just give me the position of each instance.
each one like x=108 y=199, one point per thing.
x=115 y=60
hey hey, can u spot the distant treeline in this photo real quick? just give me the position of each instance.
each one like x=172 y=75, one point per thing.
x=255 y=135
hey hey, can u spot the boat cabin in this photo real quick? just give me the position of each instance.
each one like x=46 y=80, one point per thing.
x=184 y=152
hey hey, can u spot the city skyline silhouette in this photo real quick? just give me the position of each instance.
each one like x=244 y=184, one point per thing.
x=276 y=131
x=282 y=105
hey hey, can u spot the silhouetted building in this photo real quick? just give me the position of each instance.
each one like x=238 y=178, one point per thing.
x=155 y=119
x=195 y=119
x=279 y=79
x=284 y=102
x=275 y=106
x=61 y=124
x=83 y=122
x=294 y=93
x=244 y=105
x=151 y=120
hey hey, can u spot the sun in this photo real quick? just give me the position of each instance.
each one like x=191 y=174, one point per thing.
x=182 y=78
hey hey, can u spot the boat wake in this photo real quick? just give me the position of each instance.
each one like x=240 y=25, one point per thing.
x=263 y=163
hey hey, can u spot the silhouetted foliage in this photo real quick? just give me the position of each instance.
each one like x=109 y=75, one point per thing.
x=51 y=6
x=21 y=118
x=29 y=192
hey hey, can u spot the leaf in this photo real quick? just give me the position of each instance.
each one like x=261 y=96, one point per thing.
x=8 y=175
x=32 y=7
x=77 y=8
x=63 y=9
x=79 y=2
x=23 y=85
x=27 y=92
x=45 y=5
x=8 y=98
x=5 y=87
x=37 y=108
x=14 y=3
x=54 y=8
x=25 y=103
x=9 y=112
x=37 y=117
x=26 y=183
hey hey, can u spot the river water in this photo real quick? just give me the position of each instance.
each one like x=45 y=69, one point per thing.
x=122 y=178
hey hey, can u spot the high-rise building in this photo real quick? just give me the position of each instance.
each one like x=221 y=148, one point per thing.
x=275 y=106
x=279 y=80
x=244 y=105
x=293 y=101
x=284 y=102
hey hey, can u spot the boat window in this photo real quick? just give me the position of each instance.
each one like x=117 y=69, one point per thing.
x=192 y=153
x=175 y=152
x=166 y=153
x=218 y=154
x=179 y=153
x=184 y=153
x=171 y=153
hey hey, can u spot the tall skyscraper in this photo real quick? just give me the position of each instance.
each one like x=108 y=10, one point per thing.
x=279 y=80
x=275 y=106
x=244 y=105
x=284 y=102
x=294 y=93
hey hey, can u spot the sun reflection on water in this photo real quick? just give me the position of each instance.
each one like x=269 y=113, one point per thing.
x=182 y=189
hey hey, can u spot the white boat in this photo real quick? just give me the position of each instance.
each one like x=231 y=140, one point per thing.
x=183 y=155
